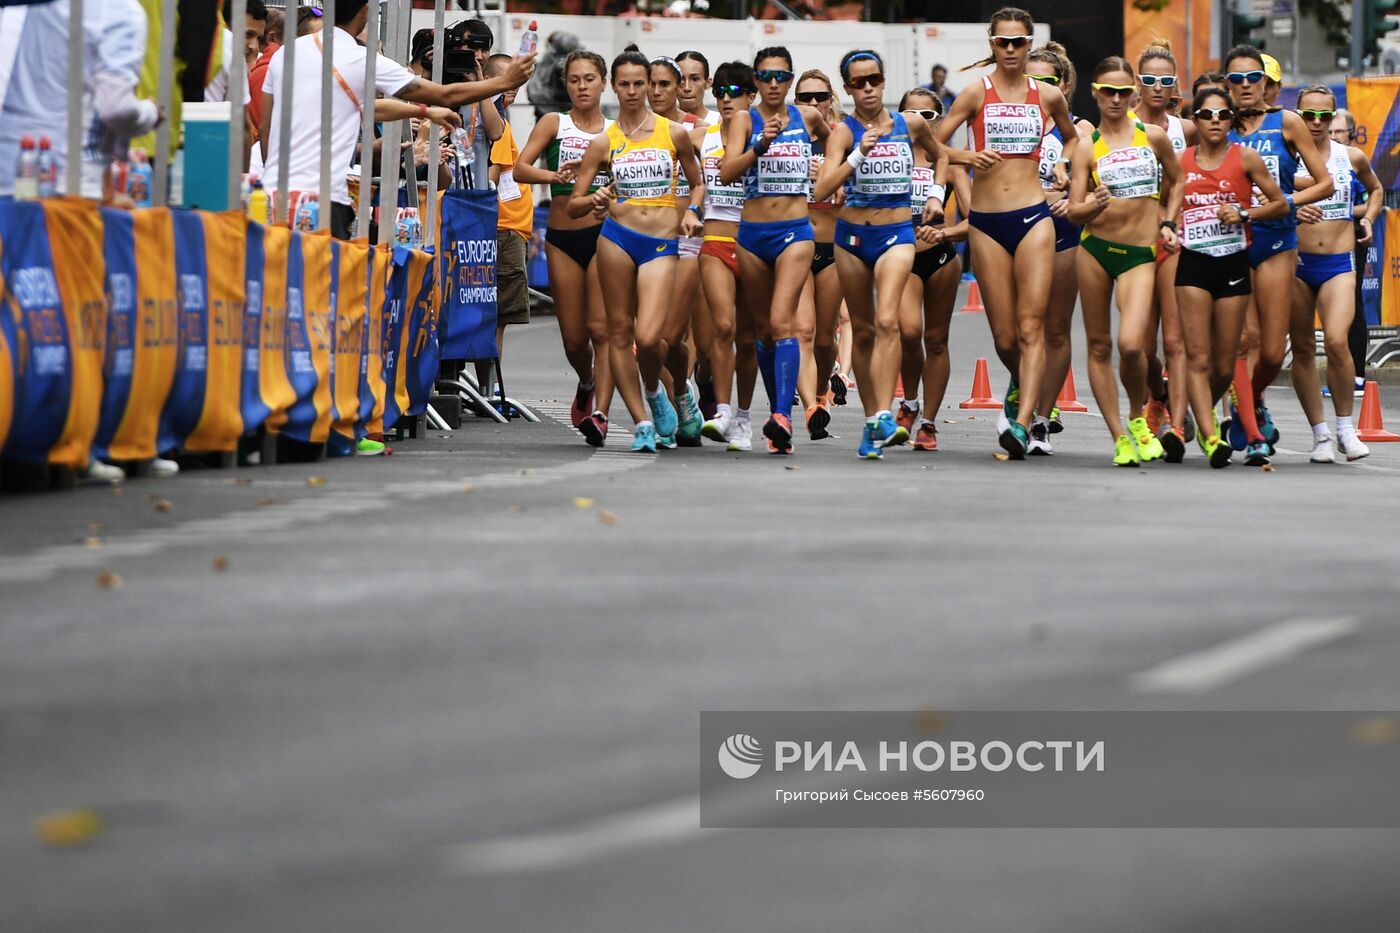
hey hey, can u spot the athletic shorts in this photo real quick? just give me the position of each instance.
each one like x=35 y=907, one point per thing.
x=1269 y=242
x=688 y=247
x=823 y=257
x=512 y=285
x=931 y=260
x=578 y=245
x=1009 y=228
x=639 y=247
x=768 y=239
x=1117 y=258
x=868 y=242
x=725 y=250
x=1066 y=234
x=1316 y=269
x=1222 y=276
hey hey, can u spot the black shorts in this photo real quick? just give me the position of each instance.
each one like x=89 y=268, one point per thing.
x=823 y=256
x=931 y=260
x=1222 y=276
x=578 y=245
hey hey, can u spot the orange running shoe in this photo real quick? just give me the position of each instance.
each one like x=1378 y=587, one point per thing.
x=927 y=437
x=906 y=417
x=1157 y=415
x=778 y=431
x=818 y=419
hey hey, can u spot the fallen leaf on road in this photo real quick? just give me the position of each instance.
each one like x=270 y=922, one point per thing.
x=92 y=542
x=241 y=481
x=64 y=828
x=220 y=564
x=1376 y=730
x=930 y=720
x=96 y=528
x=315 y=481
x=468 y=487
x=110 y=581
x=118 y=491
x=583 y=502
x=267 y=502
x=527 y=472
x=607 y=518
x=792 y=468
x=162 y=505
x=1001 y=456
x=1268 y=468
x=950 y=420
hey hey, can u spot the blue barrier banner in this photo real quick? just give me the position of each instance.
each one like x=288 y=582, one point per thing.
x=308 y=337
x=220 y=423
x=467 y=327
x=186 y=401
x=119 y=359
x=8 y=324
x=423 y=355
x=254 y=410
x=1372 y=273
x=395 y=336
x=349 y=284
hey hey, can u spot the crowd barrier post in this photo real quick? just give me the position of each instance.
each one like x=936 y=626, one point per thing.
x=282 y=198
x=367 y=129
x=435 y=132
x=77 y=52
x=328 y=43
x=165 y=98
x=237 y=83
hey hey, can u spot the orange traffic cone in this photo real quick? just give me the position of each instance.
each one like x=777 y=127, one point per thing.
x=981 y=388
x=1372 y=426
x=1069 y=397
x=974 y=300
x=899 y=388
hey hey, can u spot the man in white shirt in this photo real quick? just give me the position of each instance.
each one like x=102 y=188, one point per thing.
x=348 y=58
x=115 y=39
x=255 y=24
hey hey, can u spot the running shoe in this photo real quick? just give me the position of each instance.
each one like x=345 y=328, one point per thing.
x=1157 y=415
x=838 y=388
x=887 y=432
x=818 y=418
x=1056 y=425
x=594 y=429
x=1124 y=453
x=644 y=441
x=740 y=435
x=1217 y=451
x=369 y=448
x=869 y=444
x=778 y=430
x=907 y=417
x=160 y=466
x=718 y=427
x=1149 y=448
x=663 y=414
x=1322 y=451
x=1266 y=425
x=666 y=441
x=926 y=438
x=1359 y=390
x=1173 y=444
x=1257 y=453
x=1351 y=446
x=688 y=433
x=1015 y=440
x=1040 y=440
x=1188 y=425
x=99 y=473
x=708 y=403
x=585 y=402
x=1234 y=431
x=1012 y=406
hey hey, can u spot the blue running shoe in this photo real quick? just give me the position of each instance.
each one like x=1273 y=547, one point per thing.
x=663 y=413
x=1015 y=440
x=869 y=448
x=1266 y=424
x=888 y=432
x=644 y=441
x=1235 y=432
x=1256 y=454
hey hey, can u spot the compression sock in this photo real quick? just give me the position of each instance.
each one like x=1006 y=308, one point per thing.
x=1244 y=400
x=787 y=354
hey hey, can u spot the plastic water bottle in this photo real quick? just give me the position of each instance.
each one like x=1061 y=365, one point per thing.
x=308 y=212
x=258 y=203
x=530 y=40
x=27 y=170
x=408 y=229
x=139 y=180
x=48 y=169
x=113 y=180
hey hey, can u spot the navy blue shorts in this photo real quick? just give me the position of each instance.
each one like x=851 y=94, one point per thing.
x=1268 y=242
x=1316 y=269
x=868 y=242
x=768 y=239
x=1009 y=228
x=1066 y=234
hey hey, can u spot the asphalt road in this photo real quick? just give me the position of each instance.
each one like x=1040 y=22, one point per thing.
x=458 y=688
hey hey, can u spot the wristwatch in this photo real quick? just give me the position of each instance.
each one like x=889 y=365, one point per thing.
x=1244 y=216
x=1169 y=224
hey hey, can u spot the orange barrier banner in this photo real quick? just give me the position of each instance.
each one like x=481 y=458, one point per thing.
x=221 y=419
x=1375 y=102
x=372 y=399
x=1390 y=273
x=8 y=315
x=308 y=337
x=419 y=369
x=274 y=383
x=351 y=284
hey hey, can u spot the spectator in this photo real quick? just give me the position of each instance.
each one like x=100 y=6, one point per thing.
x=484 y=123
x=254 y=25
x=348 y=56
x=938 y=84
x=272 y=34
x=309 y=20
x=547 y=91
x=514 y=226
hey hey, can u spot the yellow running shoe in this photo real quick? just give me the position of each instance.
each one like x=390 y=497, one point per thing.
x=1124 y=454
x=1148 y=447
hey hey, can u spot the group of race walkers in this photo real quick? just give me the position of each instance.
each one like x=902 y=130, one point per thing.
x=692 y=250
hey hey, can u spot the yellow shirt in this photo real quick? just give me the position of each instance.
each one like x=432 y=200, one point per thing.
x=517 y=204
x=643 y=172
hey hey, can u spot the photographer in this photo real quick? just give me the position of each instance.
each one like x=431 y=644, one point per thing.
x=466 y=47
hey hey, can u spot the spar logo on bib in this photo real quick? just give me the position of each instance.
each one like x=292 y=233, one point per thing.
x=1129 y=173
x=1012 y=129
x=784 y=168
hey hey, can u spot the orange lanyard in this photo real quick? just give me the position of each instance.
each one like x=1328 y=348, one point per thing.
x=345 y=85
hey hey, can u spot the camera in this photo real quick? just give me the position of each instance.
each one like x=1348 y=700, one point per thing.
x=458 y=65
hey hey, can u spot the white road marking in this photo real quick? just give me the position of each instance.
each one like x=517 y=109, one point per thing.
x=1203 y=671
x=1375 y=468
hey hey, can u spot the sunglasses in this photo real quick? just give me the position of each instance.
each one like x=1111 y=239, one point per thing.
x=778 y=75
x=1048 y=79
x=813 y=97
x=865 y=81
x=1245 y=77
x=1324 y=116
x=1154 y=80
x=1011 y=42
x=928 y=115
x=732 y=90
x=1215 y=113
x=1115 y=90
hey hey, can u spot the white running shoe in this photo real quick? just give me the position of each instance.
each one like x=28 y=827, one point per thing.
x=98 y=472
x=1322 y=451
x=741 y=435
x=718 y=427
x=163 y=467
x=1350 y=445
x=1040 y=440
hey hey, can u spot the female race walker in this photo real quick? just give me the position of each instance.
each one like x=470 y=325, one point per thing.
x=719 y=268
x=1327 y=279
x=637 y=245
x=819 y=309
x=1212 y=278
x=1049 y=64
x=663 y=92
x=770 y=147
x=572 y=242
x=695 y=82
x=1010 y=221
x=926 y=308
x=1159 y=85
x=1282 y=139
x=1133 y=200
x=874 y=236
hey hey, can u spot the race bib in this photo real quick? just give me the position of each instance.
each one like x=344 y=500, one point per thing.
x=1270 y=163
x=817 y=160
x=886 y=169
x=784 y=168
x=1129 y=172
x=1202 y=232
x=643 y=173
x=1012 y=129
x=1051 y=151
x=718 y=194
x=921 y=189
